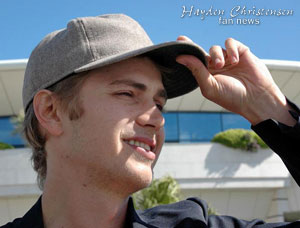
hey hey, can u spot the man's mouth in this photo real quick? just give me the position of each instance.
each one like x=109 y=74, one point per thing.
x=144 y=146
x=139 y=144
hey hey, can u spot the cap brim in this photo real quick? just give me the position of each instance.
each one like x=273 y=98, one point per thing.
x=178 y=80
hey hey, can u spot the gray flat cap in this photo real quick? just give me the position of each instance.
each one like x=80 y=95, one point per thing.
x=91 y=42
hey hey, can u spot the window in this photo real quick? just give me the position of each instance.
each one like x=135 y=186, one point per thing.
x=171 y=127
x=200 y=126
x=231 y=120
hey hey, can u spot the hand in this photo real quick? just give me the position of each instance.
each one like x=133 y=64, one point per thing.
x=238 y=81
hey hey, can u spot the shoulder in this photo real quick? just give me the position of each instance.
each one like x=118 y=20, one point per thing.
x=192 y=212
x=186 y=213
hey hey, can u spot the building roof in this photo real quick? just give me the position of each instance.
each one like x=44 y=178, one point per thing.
x=285 y=73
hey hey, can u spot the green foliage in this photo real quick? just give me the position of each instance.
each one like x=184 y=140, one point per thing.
x=161 y=191
x=211 y=211
x=165 y=190
x=4 y=146
x=240 y=138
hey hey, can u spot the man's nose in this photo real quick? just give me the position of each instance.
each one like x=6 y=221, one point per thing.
x=151 y=117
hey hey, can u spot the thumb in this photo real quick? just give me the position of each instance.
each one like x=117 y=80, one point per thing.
x=205 y=80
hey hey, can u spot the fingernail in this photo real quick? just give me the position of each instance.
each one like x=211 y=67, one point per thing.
x=180 y=38
x=218 y=61
x=234 y=59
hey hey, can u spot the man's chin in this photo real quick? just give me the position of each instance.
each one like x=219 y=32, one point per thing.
x=141 y=177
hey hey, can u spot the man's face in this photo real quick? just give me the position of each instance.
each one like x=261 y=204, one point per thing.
x=118 y=138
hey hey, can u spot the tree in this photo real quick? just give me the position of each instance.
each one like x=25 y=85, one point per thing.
x=165 y=190
x=4 y=146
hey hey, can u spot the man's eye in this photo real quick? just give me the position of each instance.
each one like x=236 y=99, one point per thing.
x=160 y=107
x=128 y=94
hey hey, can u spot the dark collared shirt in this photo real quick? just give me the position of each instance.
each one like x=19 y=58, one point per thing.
x=188 y=213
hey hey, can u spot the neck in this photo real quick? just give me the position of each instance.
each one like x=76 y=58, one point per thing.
x=81 y=206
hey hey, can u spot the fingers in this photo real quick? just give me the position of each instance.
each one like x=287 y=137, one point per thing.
x=220 y=58
x=205 y=80
x=232 y=50
x=235 y=50
x=217 y=56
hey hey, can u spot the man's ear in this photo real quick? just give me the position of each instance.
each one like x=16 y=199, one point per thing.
x=46 y=109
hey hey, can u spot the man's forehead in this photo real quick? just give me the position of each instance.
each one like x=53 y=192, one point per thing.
x=139 y=72
x=136 y=63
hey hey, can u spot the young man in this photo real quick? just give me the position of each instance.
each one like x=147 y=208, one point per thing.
x=93 y=95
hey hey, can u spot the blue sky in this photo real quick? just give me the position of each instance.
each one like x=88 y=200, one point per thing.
x=24 y=23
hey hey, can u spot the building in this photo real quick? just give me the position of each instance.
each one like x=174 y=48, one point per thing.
x=226 y=178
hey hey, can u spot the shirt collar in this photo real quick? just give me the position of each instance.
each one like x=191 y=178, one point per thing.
x=34 y=217
x=133 y=220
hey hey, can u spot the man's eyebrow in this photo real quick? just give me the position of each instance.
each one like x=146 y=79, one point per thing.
x=128 y=82
x=140 y=86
